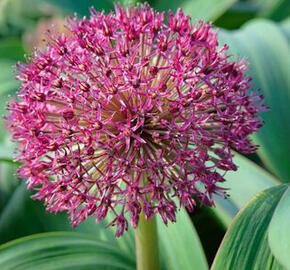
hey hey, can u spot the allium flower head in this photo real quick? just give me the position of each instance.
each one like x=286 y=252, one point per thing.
x=127 y=112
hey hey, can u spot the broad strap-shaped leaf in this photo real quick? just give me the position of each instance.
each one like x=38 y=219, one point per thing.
x=8 y=87
x=81 y=7
x=279 y=231
x=6 y=153
x=7 y=82
x=8 y=183
x=197 y=9
x=285 y=27
x=267 y=49
x=19 y=15
x=237 y=15
x=273 y=9
x=180 y=247
x=245 y=245
x=22 y=216
x=61 y=251
x=242 y=185
x=12 y=48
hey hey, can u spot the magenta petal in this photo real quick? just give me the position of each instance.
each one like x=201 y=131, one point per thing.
x=127 y=113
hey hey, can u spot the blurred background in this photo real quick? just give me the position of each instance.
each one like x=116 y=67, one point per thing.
x=258 y=30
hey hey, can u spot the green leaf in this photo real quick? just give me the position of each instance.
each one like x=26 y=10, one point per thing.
x=279 y=231
x=23 y=216
x=7 y=82
x=198 y=9
x=12 y=49
x=247 y=181
x=268 y=53
x=17 y=16
x=179 y=244
x=285 y=27
x=243 y=184
x=81 y=7
x=8 y=87
x=274 y=9
x=61 y=251
x=6 y=153
x=245 y=245
x=8 y=183
x=237 y=15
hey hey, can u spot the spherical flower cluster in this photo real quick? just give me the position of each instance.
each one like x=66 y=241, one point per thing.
x=126 y=113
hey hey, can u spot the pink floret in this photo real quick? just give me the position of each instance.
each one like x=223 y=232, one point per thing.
x=126 y=113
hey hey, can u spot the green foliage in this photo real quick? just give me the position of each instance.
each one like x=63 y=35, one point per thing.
x=180 y=246
x=285 y=27
x=197 y=9
x=273 y=9
x=7 y=83
x=8 y=183
x=61 y=251
x=237 y=15
x=12 y=49
x=19 y=15
x=6 y=154
x=8 y=87
x=267 y=49
x=245 y=246
x=279 y=230
x=81 y=7
x=259 y=236
x=243 y=184
x=23 y=216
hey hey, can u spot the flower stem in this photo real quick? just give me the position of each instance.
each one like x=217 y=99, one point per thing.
x=146 y=244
